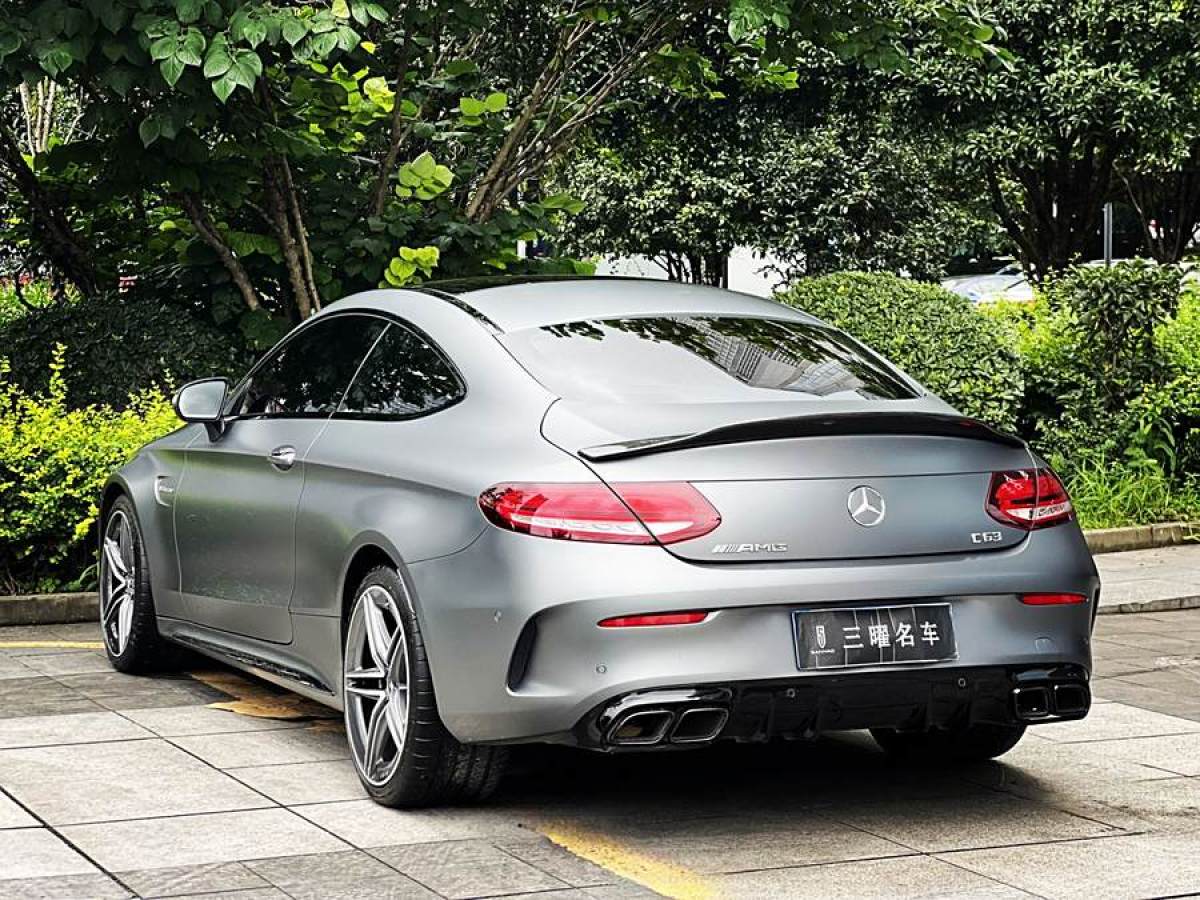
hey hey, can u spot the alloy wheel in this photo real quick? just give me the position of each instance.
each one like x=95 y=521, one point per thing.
x=118 y=582
x=376 y=685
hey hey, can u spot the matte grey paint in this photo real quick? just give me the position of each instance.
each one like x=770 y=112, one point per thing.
x=254 y=559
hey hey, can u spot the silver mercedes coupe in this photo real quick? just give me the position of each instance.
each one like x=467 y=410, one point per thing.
x=616 y=514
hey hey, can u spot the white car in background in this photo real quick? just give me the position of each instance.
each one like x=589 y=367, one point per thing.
x=1008 y=283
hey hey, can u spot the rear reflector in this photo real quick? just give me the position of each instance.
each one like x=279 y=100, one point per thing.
x=1029 y=499
x=674 y=618
x=627 y=513
x=1052 y=599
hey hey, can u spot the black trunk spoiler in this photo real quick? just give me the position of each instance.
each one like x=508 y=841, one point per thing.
x=832 y=425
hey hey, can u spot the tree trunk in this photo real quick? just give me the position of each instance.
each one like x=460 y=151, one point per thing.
x=51 y=229
x=193 y=206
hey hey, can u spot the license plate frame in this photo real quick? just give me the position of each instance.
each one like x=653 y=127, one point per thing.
x=853 y=636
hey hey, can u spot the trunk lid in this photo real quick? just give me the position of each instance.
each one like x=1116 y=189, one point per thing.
x=796 y=483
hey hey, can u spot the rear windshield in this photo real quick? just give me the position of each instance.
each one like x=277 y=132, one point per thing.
x=702 y=359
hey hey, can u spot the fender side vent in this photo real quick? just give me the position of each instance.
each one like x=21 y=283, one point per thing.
x=518 y=666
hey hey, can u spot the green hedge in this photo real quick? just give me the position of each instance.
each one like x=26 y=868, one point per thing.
x=934 y=335
x=54 y=460
x=119 y=345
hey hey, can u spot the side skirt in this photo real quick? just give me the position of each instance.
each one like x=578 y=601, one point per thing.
x=283 y=666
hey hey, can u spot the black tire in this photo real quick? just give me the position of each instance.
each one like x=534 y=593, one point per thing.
x=144 y=650
x=434 y=769
x=967 y=744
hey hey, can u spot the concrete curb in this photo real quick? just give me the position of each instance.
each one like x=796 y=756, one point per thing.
x=1141 y=537
x=1160 y=604
x=48 y=609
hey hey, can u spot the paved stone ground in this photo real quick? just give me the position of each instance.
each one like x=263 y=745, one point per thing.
x=112 y=786
x=1150 y=580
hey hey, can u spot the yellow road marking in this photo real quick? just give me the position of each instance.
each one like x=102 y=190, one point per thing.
x=661 y=877
x=252 y=698
x=51 y=645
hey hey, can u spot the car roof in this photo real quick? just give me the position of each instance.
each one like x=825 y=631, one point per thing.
x=513 y=303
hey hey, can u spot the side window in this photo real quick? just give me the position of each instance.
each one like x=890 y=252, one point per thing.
x=405 y=376
x=308 y=375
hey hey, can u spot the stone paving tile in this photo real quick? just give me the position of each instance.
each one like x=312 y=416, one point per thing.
x=73 y=728
x=12 y=667
x=262 y=748
x=462 y=869
x=13 y=815
x=353 y=875
x=296 y=783
x=116 y=691
x=1134 y=866
x=885 y=879
x=199 y=839
x=122 y=780
x=366 y=824
x=757 y=841
x=176 y=881
x=252 y=894
x=541 y=853
x=975 y=821
x=64 y=887
x=1179 y=754
x=68 y=663
x=40 y=696
x=38 y=853
x=181 y=721
x=1116 y=720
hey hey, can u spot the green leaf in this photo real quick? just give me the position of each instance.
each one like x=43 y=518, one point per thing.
x=172 y=67
x=294 y=30
x=191 y=51
x=496 y=102
x=188 y=10
x=472 y=107
x=341 y=9
x=223 y=87
x=254 y=32
x=245 y=69
x=424 y=165
x=149 y=130
x=377 y=12
x=164 y=47
x=218 y=61
x=9 y=41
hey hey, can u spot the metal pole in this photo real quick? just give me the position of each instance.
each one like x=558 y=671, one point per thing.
x=1108 y=233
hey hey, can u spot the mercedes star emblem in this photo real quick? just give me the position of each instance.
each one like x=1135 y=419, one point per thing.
x=866 y=506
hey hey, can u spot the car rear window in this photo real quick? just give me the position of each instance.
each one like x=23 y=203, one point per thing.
x=702 y=359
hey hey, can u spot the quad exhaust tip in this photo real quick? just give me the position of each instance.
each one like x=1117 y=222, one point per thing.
x=1039 y=702
x=647 y=727
x=641 y=727
x=699 y=725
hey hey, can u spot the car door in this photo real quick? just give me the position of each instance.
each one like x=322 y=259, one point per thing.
x=370 y=471
x=235 y=509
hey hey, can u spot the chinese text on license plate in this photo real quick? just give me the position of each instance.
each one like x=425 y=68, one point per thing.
x=872 y=636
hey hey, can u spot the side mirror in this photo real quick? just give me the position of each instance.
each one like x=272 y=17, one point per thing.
x=202 y=401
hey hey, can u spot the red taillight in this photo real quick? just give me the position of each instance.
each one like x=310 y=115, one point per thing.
x=1029 y=499
x=626 y=513
x=673 y=618
x=1052 y=599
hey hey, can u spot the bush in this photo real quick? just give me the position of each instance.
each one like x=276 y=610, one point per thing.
x=1109 y=494
x=54 y=461
x=936 y=336
x=120 y=345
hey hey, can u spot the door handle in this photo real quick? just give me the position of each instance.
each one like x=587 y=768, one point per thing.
x=283 y=458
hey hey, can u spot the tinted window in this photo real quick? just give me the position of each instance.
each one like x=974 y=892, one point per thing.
x=404 y=376
x=701 y=358
x=308 y=375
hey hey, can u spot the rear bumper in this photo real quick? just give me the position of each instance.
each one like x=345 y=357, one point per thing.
x=516 y=654
x=804 y=708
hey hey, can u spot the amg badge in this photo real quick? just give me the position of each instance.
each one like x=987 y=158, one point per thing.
x=750 y=548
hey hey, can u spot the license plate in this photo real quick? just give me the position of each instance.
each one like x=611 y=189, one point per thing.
x=873 y=636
